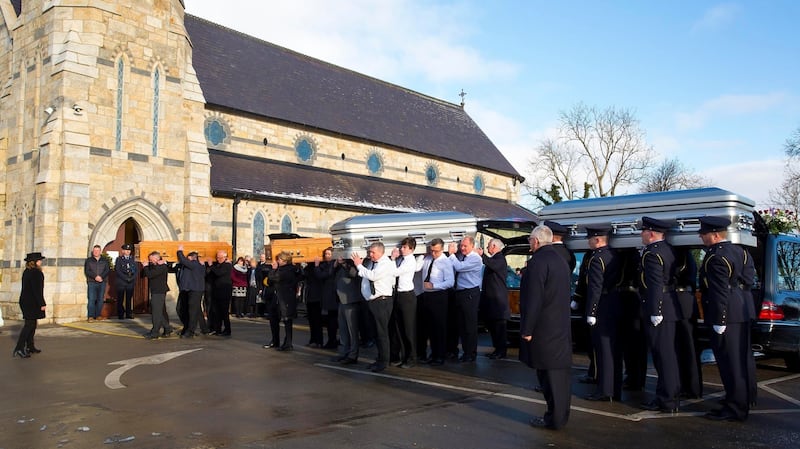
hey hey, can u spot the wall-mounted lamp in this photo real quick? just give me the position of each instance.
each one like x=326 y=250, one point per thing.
x=77 y=109
x=266 y=142
x=49 y=110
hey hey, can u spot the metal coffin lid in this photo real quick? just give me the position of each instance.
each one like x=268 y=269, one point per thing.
x=682 y=208
x=355 y=234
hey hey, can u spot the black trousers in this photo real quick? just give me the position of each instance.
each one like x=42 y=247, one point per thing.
x=633 y=341
x=405 y=312
x=733 y=354
x=331 y=321
x=451 y=335
x=498 y=330
x=125 y=301
x=348 y=327
x=689 y=367
x=274 y=321
x=466 y=305
x=158 y=314
x=381 y=311
x=556 y=385
x=314 y=311
x=661 y=340
x=608 y=355
x=182 y=308
x=25 y=340
x=433 y=320
x=194 y=298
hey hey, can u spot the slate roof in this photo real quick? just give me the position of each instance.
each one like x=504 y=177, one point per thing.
x=283 y=182
x=242 y=73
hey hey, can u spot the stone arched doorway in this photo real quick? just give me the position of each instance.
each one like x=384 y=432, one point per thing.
x=130 y=221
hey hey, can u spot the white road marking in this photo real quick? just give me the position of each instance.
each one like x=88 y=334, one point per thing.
x=629 y=417
x=113 y=378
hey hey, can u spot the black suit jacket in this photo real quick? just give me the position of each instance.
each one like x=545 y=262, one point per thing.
x=726 y=277
x=544 y=311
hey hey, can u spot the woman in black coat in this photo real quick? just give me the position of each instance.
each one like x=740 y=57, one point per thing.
x=284 y=278
x=31 y=301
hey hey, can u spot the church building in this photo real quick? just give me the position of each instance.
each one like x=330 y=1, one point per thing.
x=128 y=121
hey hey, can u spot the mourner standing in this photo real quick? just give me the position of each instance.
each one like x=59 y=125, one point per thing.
x=125 y=269
x=284 y=278
x=725 y=275
x=437 y=279
x=192 y=281
x=494 y=306
x=31 y=301
x=689 y=367
x=156 y=273
x=602 y=313
x=348 y=293
x=546 y=344
x=467 y=284
x=221 y=293
x=96 y=269
x=405 y=305
x=659 y=312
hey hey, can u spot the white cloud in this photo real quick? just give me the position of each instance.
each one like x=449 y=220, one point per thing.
x=717 y=17
x=396 y=41
x=728 y=105
x=753 y=179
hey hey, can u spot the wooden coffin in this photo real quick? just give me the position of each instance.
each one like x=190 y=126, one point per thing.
x=302 y=249
x=207 y=251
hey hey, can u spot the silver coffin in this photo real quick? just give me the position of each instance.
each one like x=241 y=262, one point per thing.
x=682 y=208
x=355 y=234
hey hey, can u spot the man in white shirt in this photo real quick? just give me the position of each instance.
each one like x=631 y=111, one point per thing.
x=405 y=305
x=468 y=277
x=377 y=284
x=438 y=278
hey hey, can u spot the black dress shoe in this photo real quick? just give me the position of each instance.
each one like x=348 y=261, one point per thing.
x=722 y=415
x=396 y=362
x=587 y=380
x=539 y=423
x=150 y=337
x=21 y=354
x=466 y=359
x=655 y=405
x=378 y=367
x=285 y=348
x=348 y=361
x=331 y=345
x=406 y=365
x=34 y=350
x=538 y=389
x=437 y=362
x=597 y=397
x=167 y=334
x=225 y=334
x=187 y=335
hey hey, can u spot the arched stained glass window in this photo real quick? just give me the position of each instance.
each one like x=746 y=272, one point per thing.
x=258 y=234
x=120 y=96
x=286 y=224
x=156 y=94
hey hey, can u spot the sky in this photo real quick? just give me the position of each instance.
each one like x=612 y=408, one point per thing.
x=714 y=84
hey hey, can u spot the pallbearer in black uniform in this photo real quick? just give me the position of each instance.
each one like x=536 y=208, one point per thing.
x=726 y=277
x=546 y=344
x=659 y=312
x=603 y=276
x=689 y=367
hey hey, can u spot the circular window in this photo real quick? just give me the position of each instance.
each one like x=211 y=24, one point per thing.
x=216 y=132
x=431 y=174
x=304 y=150
x=374 y=163
x=478 y=184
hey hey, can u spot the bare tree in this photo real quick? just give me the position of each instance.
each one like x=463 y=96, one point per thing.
x=595 y=153
x=671 y=174
x=788 y=195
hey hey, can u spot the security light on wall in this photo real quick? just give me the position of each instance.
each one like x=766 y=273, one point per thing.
x=77 y=109
x=49 y=110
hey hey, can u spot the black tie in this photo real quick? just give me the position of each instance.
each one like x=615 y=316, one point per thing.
x=430 y=268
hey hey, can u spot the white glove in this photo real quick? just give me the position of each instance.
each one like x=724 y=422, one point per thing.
x=591 y=320
x=573 y=305
x=719 y=329
x=656 y=319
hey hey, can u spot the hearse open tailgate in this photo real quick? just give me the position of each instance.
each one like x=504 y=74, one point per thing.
x=683 y=208
x=355 y=234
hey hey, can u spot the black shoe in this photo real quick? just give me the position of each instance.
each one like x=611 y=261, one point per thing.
x=338 y=358
x=655 y=405
x=396 y=362
x=129 y=317
x=491 y=355
x=437 y=362
x=425 y=360
x=167 y=334
x=466 y=359
x=150 y=337
x=187 y=335
x=225 y=334
x=285 y=348
x=378 y=367
x=539 y=423
x=587 y=380
x=331 y=345
x=34 y=350
x=722 y=415
x=348 y=361
x=406 y=365
x=597 y=397
x=538 y=389
x=269 y=345
x=21 y=354
x=451 y=356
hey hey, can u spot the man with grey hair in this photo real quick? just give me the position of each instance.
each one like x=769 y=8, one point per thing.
x=377 y=286
x=467 y=283
x=546 y=344
x=494 y=296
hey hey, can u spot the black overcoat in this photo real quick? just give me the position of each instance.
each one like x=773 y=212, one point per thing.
x=31 y=297
x=284 y=280
x=494 y=293
x=545 y=312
